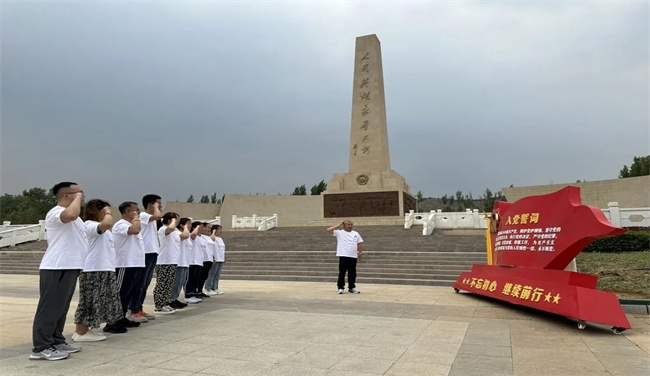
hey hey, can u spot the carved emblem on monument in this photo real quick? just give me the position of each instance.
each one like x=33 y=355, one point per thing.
x=362 y=179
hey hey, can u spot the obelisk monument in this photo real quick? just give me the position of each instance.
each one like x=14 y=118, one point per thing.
x=370 y=188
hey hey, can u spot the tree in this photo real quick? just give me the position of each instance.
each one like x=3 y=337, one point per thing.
x=319 y=188
x=419 y=196
x=205 y=199
x=490 y=198
x=300 y=191
x=190 y=199
x=640 y=167
x=28 y=208
x=213 y=198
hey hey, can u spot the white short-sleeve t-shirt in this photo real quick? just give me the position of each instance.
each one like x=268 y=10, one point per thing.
x=149 y=232
x=198 y=246
x=170 y=246
x=220 y=255
x=185 y=253
x=346 y=243
x=128 y=248
x=101 y=249
x=208 y=251
x=67 y=245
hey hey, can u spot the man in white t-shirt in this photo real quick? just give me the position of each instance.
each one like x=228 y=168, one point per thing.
x=149 y=232
x=64 y=258
x=349 y=247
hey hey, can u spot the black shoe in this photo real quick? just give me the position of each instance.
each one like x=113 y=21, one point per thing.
x=177 y=305
x=113 y=328
x=127 y=323
x=202 y=295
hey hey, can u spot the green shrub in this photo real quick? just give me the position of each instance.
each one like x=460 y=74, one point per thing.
x=631 y=241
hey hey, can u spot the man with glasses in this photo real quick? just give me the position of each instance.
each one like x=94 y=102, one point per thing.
x=349 y=248
x=64 y=258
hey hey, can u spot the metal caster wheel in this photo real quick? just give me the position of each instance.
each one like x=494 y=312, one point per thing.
x=582 y=325
x=617 y=330
x=456 y=290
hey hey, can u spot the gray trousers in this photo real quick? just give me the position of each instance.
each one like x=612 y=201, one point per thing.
x=56 y=288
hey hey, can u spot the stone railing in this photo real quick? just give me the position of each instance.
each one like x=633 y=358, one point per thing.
x=631 y=217
x=258 y=222
x=215 y=221
x=10 y=235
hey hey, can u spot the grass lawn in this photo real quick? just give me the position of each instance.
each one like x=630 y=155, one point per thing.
x=626 y=273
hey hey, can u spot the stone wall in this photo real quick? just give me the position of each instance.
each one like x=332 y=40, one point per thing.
x=628 y=192
x=193 y=209
x=291 y=210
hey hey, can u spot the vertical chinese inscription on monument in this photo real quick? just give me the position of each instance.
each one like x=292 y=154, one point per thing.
x=365 y=110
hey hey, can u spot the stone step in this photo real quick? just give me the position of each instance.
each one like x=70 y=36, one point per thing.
x=383 y=273
x=360 y=280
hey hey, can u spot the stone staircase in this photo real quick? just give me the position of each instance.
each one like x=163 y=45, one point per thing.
x=392 y=255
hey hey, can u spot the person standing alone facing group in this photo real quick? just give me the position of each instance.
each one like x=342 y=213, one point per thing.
x=349 y=248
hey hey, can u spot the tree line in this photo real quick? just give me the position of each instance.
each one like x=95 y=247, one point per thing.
x=33 y=204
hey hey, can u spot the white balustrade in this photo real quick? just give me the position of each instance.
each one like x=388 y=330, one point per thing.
x=628 y=217
x=10 y=235
x=260 y=223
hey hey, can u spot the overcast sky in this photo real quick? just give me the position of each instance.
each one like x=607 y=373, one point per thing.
x=128 y=98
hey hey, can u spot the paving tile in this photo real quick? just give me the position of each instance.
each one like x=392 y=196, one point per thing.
x=266 y=355
x=147 y=358
x=388 y=353
x=617 y=361
x=236 y=367
x=466 y=371
x=561 y=358
x=428 y=356
x=549 y=369
x=485 y=349
x=487 y=362
x=315 y=359
x=364 y=365
x=418 y=369
x=191 y=363
x=293 y=370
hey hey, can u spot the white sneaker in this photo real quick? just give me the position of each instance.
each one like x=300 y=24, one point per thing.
x=341 y=291
x=90 y=336
x=166 y=310
x=218 y=292
x=192 y=300
x=210 y=292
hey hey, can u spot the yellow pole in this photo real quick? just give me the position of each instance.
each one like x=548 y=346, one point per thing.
x=488 y=242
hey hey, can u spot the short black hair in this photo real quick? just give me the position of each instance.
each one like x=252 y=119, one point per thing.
x=63 y=184
x=195 y=225
x=215 y=227
x=149 y=199
x=126 y=205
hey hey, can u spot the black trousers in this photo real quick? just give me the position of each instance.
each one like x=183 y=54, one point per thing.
x=192 y=284
x=128 y=280
x=205 y=270
x=349 y=265
x=56 y=288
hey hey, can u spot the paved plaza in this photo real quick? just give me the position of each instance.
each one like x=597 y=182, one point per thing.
x=295 y=328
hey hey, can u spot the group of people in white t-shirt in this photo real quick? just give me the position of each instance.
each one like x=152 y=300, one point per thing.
x=114 y=263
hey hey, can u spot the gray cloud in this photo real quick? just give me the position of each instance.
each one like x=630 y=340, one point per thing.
x=198 y=97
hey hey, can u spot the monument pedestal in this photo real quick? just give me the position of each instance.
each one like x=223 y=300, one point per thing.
x=367 y=194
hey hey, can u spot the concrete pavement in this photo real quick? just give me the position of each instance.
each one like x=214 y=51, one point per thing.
x=301 y=328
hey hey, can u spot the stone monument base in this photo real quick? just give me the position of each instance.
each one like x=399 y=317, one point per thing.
x=368 y=204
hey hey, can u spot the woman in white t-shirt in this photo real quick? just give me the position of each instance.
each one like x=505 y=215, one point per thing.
x=99 y=300
x=170 y=246
x=219 y=257
x=182 y=268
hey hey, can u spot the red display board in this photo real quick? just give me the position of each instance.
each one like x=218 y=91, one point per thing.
x=533 y=240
